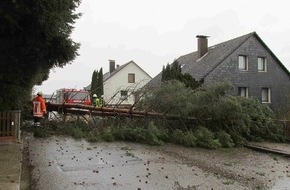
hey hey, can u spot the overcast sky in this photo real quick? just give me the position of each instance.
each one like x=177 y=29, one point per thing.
x=153 y=33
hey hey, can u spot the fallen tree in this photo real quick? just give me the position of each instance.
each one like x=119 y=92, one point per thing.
x=109 y=111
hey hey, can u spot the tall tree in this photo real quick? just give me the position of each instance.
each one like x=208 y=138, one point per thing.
x=35 y=37
x=173 y=72
x=100 y=90
x=94 y=83
x=97 y=83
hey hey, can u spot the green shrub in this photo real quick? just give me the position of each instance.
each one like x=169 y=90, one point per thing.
x=177 y=136
x=107 y=134
x=205 y=139
x=153 y=135
x=77 y=133
x=225 y=139
x=41 y=132
x=132 y=134
x=217 y=108
x=166 y=100
x=238 y=140
x=93 y=138
x=189 y=139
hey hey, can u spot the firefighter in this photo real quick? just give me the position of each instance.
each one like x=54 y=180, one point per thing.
x=96 y=101
x=39 y=109
x=102 y=101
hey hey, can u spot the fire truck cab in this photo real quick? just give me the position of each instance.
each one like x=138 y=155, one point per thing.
x=73 y=96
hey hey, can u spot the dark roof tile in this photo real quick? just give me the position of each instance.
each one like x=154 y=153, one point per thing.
x=199 y=68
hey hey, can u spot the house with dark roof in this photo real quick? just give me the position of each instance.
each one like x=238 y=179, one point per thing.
x=246 y=61
x=122 y=82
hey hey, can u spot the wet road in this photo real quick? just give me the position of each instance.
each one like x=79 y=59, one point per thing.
x=61 y=163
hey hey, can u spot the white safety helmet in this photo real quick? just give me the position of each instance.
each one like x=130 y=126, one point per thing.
x=94 y=95
x=39 y=93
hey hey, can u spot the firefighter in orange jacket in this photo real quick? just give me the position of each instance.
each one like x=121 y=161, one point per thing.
x=39 y=109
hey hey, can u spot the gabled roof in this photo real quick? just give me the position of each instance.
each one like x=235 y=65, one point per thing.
x=200 y=68
x=109 y=75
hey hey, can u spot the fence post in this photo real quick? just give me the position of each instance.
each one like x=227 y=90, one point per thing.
x=17 y=116
x=10 y=125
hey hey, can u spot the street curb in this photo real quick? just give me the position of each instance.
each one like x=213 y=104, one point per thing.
x=268 y=150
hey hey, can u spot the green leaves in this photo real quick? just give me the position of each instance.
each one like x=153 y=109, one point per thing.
x=218 y=110
x=35 y=37
x=94 y=82
x=97 y=85
x=173 y=72
x=171 y=98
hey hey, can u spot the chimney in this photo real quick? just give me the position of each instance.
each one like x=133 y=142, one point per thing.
x=112 y=65
x=202 y=47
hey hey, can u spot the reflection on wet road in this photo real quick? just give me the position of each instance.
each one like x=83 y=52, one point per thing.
x=65 y=163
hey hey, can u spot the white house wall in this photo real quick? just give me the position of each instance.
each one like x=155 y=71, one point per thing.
x=118 y=82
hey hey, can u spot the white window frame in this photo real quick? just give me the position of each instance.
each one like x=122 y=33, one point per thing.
x=243 y=63
x=262 y=64
x=266 y=95
x=243 y=91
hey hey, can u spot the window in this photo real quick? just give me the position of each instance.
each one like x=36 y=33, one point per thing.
x=124 y=94
x=243 y=91
x=262 y=64
x=131 y=78
x=266 y=95
x=243 y=63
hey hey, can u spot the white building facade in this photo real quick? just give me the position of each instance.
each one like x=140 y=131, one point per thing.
x=121 y=83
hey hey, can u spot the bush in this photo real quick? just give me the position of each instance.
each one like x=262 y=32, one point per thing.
x=261 y=121
x=200 y=137
x=225 y=139
x=41 y=132
x=189 y=139
x=205 y=139
x=177 y=136
x=132 y=134
x=244 y=119
x=150 y=134
x=93 y=138
x=153 y=135
x=75 y=129
x=77 y=133
x=107 y=134
x=166 y=100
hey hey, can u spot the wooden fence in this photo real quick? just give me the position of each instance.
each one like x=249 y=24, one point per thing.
x=10 y=125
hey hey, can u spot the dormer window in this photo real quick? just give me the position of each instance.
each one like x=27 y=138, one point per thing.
x=262 y=64
x=243 y=63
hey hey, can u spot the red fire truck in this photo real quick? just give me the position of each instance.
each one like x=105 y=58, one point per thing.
x=73 y=96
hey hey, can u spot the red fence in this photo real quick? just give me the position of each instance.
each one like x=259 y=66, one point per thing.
x=10 y=125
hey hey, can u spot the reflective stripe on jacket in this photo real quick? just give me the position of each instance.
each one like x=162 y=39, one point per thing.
x=36 y=109
x=39 y=107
